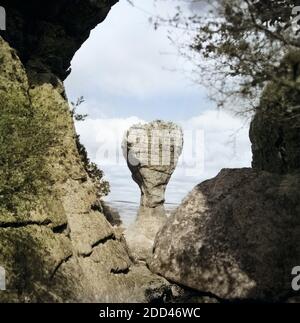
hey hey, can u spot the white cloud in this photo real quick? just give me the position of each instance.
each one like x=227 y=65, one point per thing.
x=103 y=138
x=124 y=55
x=226 y=145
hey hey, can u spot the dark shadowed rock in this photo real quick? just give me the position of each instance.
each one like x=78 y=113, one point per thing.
x=235 y=236
x=112 y=215
x=47 y=36
x=276 y=141
x=275 y=128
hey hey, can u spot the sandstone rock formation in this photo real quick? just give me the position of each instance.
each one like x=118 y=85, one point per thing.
x=235 y=236
x=56 y=245
x=152 y=152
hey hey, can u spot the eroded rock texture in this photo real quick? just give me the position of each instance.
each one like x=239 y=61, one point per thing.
x=152 y=152
x=235 y=236
x=55 y=243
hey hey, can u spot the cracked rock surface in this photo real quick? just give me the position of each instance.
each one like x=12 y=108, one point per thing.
x=235 y=236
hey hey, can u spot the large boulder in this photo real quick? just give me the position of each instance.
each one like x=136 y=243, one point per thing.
x=235 y=236
x=152 y=151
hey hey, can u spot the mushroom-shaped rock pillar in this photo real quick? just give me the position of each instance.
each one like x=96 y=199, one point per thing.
x=152 y=151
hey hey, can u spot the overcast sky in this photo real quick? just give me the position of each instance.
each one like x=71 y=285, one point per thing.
x=128 y=72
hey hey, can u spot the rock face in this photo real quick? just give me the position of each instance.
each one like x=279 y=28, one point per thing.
x=276 y=141
x=275 y=129
x=112 y=215
x=55 y=243
x=152 y=152
x=235 y=236
x=46 y=37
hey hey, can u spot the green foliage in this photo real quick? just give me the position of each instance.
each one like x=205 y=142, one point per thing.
x=94 y=172
x=280 y=100
x=25 y=137
x=236 y=46
x=75 y=106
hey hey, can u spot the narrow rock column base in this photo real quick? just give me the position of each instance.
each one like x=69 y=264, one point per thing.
x=141 y=235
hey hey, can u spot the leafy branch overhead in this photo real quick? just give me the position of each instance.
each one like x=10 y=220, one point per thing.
x=238 y=46
x=74 y=107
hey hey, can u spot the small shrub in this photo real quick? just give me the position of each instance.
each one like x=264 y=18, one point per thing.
x=25 y=137
x=94 y=172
